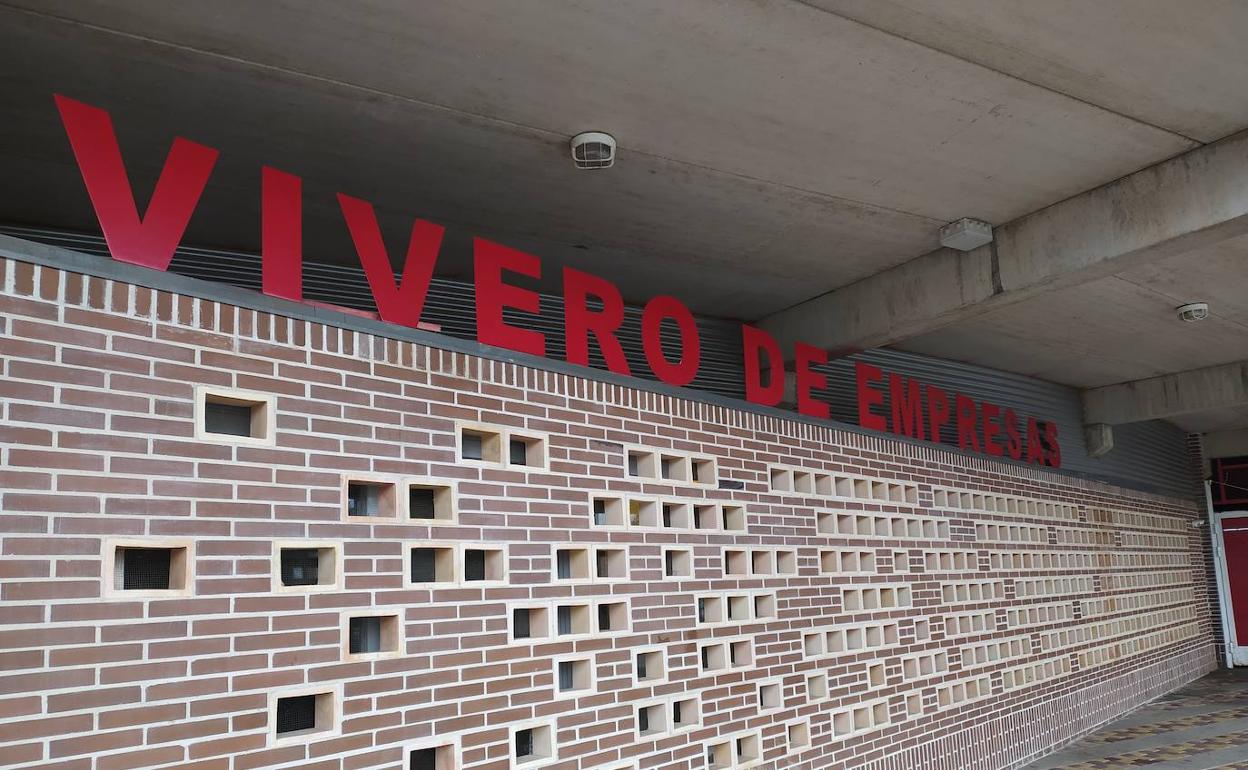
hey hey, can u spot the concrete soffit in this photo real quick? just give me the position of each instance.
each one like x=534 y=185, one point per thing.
x=1185 y=203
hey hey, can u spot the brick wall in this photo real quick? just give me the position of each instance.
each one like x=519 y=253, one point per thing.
x=812 y=599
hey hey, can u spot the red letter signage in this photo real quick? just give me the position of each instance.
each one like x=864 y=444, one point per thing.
x=683 y=371
x=808 y=380
x=281 y=234
x=579 y=321
x=149 y=241
x=755 y=343
x=489 y=261
x=400 y=304
x=907 y=406
x=865 y=374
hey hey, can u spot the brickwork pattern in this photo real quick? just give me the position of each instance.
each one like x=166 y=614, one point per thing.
x=727 y=589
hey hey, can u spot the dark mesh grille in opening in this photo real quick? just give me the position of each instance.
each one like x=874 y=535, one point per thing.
x=227 y=419
x=603 y=560
x=519 y=452
x=474 y=564
x=424 y=565
x=641 y=666
x=145 y=569
x=524 y=743
x=300 y=566
x=520 y=624
x=420 y=503
x=423 y=759
x=567 y=676
x=365 y=635
x=563 y=564
x=296 y=713
x=604 y=617
x=363 y=499
x=471 y=446
x=563 y=617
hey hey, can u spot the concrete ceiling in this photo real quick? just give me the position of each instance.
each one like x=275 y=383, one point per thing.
x=1114 y=329
x=770 y=151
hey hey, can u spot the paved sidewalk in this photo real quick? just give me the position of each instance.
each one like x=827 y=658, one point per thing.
x=1203 y=726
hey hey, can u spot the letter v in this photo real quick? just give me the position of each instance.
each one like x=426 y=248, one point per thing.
x=400 y=304
x=149 y=242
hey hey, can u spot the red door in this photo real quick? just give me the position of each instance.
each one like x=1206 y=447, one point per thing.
x=1235 y=554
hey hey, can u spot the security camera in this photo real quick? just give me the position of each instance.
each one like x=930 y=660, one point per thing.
x=593 y=149
x=1193 y=311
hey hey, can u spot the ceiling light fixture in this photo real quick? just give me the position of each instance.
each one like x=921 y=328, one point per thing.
x=965 y=234
x=593 y=150
x=1193 y=311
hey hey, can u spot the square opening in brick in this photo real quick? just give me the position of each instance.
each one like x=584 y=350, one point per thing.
x=677 y=563
x=375 y=499
x=530 y=623
x=733 y=518
x=749 y=748
x=430 y=502
x=685 y=713
x=608 y=512
x=644 y=513
x=816 y=687
x=713 y=657
x=651 y=720
x=711 y=609
x=674 y=468
x=706 y=517
x=481 y=445
x=432 y=564
x=484 y=565
x=799 y=735
x=532 y=745
x=643 y=464
x=613 y=616
x=764 y=605
x=574 y=675
x=526 y=451
x=738 y=608
x=736 y=562
x=719 y=755
x=572 y=564
x=610 y=563
x=702 y=470
x=649 y=666
x=762 y=563
x=786 y=562
x=150 y=568
x=299 y=715
x=372 y=634
x=432 y=758
x=314 y=566
x=740 y=653
x=769 y=696
x=572 y=619
x=677 y=515
x=235 y=415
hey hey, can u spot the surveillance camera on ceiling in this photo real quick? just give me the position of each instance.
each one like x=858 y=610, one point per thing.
x=593 y=150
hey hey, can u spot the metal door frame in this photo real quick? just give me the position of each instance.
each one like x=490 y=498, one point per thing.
x=1223 y=583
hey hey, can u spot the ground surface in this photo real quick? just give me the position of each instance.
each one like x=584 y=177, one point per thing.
x=1203 y=726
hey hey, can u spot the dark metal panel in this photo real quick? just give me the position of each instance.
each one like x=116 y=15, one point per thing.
x=1150 y=455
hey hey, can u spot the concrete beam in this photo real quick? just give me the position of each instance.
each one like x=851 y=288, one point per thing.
x=1170 y=395
x=1225 y=443
x=1185 y=203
